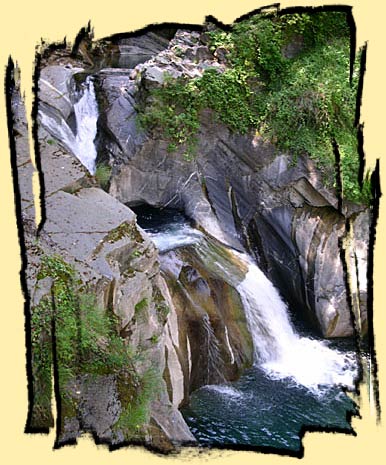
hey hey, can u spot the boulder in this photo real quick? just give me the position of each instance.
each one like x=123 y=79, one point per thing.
x=208 y=337
x=56 y=89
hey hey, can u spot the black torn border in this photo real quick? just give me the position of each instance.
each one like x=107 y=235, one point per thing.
x=9 y=90
x=376 y=194
x=87 y=33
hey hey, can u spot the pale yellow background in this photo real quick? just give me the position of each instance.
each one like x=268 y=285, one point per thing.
x=23 y=23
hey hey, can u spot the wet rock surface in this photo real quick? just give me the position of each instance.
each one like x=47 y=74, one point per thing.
x=237 y=189
x=213 y=343
x=242 y=191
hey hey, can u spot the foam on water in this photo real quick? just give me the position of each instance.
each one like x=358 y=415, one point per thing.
x=175 y=237
x=225 y=390
x=279 y=350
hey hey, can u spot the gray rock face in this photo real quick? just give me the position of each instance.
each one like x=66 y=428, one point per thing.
x=240 y=190
x=118 y=264
x=56 y=89
x=25 y=168
x=121 y=136
x=356 y=247
x=168 y=428
x=99 y=405
x=62 y=170
x=143 y=46
x=317 y=233
x=115 y=262
x=208 y=341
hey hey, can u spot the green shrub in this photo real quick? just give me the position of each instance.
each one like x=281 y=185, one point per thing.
x=86 y=337
x=102 y=349
x=229 y=96
x=103 y=175
x=141 y=305
x=174 y=112
x=41 y=345
x=154 y=339
x=301 y=103
x=135 y=413
x=163 y=311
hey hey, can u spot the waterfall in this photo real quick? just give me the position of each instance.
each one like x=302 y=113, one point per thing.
x=86 y=116
x=229 y=346
x=278 y=349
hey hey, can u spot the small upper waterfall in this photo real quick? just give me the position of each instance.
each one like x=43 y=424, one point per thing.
x=86 y=116
x=279 y=350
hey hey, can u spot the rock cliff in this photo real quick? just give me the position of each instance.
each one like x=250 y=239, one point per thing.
x=170 y=328
x=238 y=188
x=95 y=241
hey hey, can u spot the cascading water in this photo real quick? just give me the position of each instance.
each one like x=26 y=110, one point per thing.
x=86 y=117
x=278 y=349
x=168 y=230
x=295 y=380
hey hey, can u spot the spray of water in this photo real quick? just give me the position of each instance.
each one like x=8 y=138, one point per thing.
x=224 y=390
x=86 y=116
x=279 y=350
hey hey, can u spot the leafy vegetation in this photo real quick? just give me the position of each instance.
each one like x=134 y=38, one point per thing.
x=136 y=411
x=141 y=305
x=123 y=230
x=287 y=78
x=174 y=113
x=103 y=175
x=41 y=342
x=87 y=342
x=161 y=306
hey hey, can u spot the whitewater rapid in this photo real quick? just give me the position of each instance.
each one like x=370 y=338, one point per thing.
x=279 y=350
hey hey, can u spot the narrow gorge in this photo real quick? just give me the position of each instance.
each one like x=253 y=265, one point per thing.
x=200 y=276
